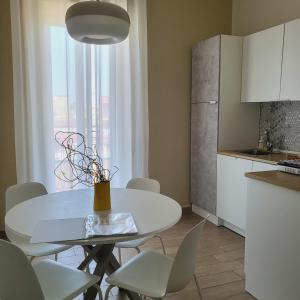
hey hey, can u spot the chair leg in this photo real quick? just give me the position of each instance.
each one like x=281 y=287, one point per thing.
x=120 y=256
x=99 y=291
x=198 y=287
x=55 y=256
x=162 y=244
x=107 y=291
x=88 y=266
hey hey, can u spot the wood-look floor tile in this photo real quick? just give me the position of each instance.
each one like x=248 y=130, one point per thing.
x=211 y=280
x=209 y=269
x=234 y=246
x=225 y=290
x=206 y=260
x=243 y=296
x=240 y=271
x=230 y=255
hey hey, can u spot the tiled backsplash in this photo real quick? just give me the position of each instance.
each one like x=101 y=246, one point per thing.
x=283 y=119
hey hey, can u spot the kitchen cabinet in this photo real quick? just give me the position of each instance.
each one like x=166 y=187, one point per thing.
x=260 y=167
x=290 y=87
x=232 y=189
x=272 y=265
x=261 y=69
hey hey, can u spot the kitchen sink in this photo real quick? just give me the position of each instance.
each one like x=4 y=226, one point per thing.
x=255 y=152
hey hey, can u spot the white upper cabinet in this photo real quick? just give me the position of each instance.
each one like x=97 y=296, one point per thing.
x=261 y=71
x=290 y=81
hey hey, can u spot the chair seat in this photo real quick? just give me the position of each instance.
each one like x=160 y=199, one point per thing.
x=146 y=274
x=42 y=249
x=59 y=282
x=133 y=243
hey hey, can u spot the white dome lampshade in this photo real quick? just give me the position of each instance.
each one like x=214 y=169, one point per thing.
x=95 y=22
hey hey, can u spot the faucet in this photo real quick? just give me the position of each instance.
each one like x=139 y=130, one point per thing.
x=268 y=143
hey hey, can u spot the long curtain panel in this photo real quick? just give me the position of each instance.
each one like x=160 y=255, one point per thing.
x=63 y=85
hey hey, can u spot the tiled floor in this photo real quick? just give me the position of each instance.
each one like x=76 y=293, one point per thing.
x=219 y=266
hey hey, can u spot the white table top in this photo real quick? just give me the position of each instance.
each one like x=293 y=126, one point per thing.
x=152 y=212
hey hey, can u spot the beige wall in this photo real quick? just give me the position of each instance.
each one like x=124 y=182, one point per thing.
x=173 y=27
x=250 y=16
x=7 y=151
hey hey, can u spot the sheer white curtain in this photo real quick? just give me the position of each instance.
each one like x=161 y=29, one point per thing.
x=61 y=84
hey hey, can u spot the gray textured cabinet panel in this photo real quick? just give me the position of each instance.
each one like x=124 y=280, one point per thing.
x=204 y=143
x=205 y=70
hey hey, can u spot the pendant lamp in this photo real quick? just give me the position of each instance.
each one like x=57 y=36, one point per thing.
x=97 y=22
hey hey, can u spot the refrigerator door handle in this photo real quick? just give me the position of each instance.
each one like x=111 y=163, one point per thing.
x=209 y=102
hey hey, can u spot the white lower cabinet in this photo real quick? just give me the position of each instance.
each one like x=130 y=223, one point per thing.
x=232 y=188
x=260 y=167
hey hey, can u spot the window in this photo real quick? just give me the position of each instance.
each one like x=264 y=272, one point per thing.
x=63 y=85
x=67 y=89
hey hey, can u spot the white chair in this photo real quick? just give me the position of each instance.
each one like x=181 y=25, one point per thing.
x=149 y=185
x=17 y=194
x=44 y=280
x=145 y=184
x=154 y=275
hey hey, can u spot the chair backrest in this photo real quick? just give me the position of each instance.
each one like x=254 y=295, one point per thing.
x=145 y=184
x=183 y=267
x=21 y=192
x=17 y=194
x=18 y=279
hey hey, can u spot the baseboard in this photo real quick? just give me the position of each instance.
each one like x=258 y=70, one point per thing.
x=186 y=209
x=232 y=227
x=3 y=235
x=203 y=213
x=216 y=220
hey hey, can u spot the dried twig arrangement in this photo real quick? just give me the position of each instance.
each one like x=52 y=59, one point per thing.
x=86 y=166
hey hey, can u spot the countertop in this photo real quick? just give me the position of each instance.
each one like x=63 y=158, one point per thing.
x=273 y=158
x=278 y=178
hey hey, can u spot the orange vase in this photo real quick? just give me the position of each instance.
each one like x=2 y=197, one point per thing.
x=102 y=196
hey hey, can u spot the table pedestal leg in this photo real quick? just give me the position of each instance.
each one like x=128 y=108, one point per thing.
x=105 y=263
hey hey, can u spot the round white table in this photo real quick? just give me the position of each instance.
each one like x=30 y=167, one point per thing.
x=152 y=213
